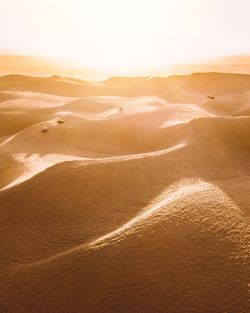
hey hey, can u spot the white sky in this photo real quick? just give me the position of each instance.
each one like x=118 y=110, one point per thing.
x=125 y=33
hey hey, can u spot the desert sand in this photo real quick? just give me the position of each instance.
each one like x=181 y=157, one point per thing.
x=138 y=202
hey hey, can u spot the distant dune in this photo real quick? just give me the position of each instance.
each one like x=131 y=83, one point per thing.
x=125 y=195
x=35 y=65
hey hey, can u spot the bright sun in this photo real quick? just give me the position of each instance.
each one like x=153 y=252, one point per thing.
x=117 y=34
x=125 y=34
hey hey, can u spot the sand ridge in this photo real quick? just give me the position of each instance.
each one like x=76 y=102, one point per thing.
x=137 y=201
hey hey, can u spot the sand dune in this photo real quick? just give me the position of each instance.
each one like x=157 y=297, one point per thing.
x=138 y=202
x=199 y=83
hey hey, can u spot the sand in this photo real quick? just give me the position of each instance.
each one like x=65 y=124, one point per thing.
x=137 y=202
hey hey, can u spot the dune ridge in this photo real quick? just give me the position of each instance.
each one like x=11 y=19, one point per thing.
x=136 y=202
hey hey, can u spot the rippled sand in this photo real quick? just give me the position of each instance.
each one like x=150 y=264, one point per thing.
x=138 y=202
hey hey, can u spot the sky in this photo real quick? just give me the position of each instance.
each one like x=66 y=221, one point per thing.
x=125 y=33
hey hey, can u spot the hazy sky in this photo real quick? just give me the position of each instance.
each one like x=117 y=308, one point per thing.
x=125 y=33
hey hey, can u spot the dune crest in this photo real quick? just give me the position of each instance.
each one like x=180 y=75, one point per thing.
x=126 y=195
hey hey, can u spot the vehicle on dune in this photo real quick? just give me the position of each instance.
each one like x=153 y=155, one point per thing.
x=60 y=122
x=44 y=130
x=211 y=97
x=121 y=109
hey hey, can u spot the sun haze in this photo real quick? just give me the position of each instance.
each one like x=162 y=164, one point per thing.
x=125 y=34
x=124 y=156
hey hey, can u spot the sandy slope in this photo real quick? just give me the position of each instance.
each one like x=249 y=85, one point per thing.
x=137 y=203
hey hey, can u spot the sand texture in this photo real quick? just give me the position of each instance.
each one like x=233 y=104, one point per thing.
x=136 y=202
